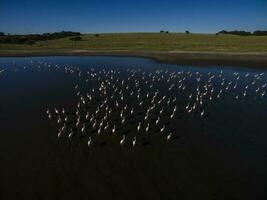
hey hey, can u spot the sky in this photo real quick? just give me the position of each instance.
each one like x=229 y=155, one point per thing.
x=98 y=16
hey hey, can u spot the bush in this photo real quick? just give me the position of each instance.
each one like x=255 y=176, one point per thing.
x=187 y=32
x=20 y=39
x=31 y=42
x=2 y=34
x=260 y=33
x=241 y=33
x=222 y=32
x=78 y=38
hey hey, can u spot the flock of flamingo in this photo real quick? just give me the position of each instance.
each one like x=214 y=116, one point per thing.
x=134 y=103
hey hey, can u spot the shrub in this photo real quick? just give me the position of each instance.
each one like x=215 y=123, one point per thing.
x=241 y=33
x=78 y=38
x=20 y=39
x=260 y=33
x=31 y=42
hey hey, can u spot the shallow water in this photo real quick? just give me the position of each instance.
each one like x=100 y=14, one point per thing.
x=220 y=156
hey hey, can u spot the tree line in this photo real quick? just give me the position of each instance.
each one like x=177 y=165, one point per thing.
x=243 y=33
x=33 y=38
x=236 y=32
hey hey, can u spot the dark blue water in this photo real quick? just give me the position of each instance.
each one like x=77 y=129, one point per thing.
x=221 y=155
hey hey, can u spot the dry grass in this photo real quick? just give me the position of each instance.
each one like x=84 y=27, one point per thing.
x=150 y=42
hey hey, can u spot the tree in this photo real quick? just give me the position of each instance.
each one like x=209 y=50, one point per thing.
x=187 y=32
x=162 y=31
x=97 y=35
x=2 y=34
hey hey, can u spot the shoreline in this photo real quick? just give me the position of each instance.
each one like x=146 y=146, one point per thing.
x=240 y=59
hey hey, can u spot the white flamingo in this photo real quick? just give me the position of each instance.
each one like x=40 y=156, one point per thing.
x=162 y=129
x=134 y=141
x=139 y=127
x=89 y=142
x=122 y=140
x=169 y=136
x=114 y=129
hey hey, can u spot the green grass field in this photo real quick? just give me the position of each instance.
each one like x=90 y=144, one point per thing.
x=150 y=42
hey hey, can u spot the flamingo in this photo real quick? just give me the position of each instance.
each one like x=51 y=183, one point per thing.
x=132 y=111
x=147 y=128
x=123 y=120
x=83 y=128
x=122 y=140
x=59 y=120
x=202 y=113
x=157 y=121
x=113 y=129
x=71 y=134
x=162 y=129
x=134 y=142
x=139 y=127
x=59 y=133
x=89 y=142
x=169 y=136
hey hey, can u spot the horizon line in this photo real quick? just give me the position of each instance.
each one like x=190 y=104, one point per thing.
x=125 y=32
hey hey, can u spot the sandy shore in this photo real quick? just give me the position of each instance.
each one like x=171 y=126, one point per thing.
x=247 y=59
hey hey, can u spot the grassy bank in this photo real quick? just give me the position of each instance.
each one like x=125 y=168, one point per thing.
x=151 y=42
x=173 y=47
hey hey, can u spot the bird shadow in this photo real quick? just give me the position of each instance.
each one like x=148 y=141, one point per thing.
x=104 y=143
x=126 y=132
x=176 y=137
x=145 y=143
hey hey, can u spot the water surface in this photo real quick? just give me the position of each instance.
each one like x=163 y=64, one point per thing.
x=221 y=155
